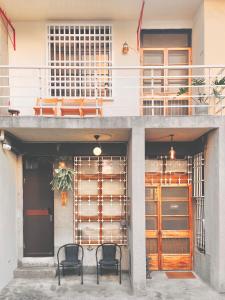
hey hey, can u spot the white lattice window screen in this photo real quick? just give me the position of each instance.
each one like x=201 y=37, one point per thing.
x=100 y=200
x=199 y=197
x=80 y=47
x=177 y=171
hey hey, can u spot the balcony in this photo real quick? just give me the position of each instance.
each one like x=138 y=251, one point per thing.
x=92 y=91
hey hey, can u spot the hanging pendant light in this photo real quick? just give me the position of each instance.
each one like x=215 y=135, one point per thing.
x=172 y=152
x=97 y=150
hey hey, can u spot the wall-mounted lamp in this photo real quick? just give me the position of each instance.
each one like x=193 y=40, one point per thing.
x=6 y=146
x=125 y=48
x=2 y=136
x=97 y=151
x=172 y=152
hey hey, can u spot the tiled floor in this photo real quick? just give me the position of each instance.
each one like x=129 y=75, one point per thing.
x=158 y=288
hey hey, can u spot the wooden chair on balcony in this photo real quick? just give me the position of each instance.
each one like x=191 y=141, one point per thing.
x=46 y=107
x=92 y=107
x=71 y=107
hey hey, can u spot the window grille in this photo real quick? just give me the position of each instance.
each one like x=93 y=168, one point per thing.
x=77 y=47
x=165 y=171
x=199 y=196
x=100 y=200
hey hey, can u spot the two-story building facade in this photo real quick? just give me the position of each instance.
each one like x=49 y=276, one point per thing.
x=143 y=81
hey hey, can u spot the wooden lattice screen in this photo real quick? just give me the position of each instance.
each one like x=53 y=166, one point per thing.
x=100 y=200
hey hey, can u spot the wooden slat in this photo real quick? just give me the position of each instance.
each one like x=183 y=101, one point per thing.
x=36 y=212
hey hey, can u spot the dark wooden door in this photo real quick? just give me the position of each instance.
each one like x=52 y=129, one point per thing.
x=38 y=206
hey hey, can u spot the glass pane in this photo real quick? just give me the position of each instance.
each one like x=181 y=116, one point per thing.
x=112 y=208
x=178 y=72
x=178 y=107
x=153 y=165
x=153 y=58
x=165 y=40
x=88 y=167
x=88 y=231
x=151 y=223
x=175 y=246
x=115 y=187
x=88 y=208
x=111 y=231
x=175 y=208
x=151 y=246
x=150 y=208
x=175 y=223
x=151 y=194
x=177 y=57
x=175 y=85
x=178 y=166
x=153 y=108
x=112 y=166
x=174 y=193
x=86 y=187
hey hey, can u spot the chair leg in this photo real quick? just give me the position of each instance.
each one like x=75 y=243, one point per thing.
x=63 y=271
x=59 y=276
x=97 y=275
x=120 y=275
x=81 y=273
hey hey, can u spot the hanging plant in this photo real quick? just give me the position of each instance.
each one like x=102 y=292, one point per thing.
x=63 y=181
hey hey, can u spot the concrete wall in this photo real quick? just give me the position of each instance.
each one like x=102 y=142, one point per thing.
x=9 y=182
x=210 y=266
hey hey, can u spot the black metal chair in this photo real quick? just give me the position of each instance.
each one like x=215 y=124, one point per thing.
x=73 y=260
x=109 y=259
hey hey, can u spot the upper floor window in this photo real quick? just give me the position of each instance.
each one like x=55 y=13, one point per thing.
x=78 y=48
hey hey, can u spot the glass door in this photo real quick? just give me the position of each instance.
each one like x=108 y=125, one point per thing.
x=169 y=227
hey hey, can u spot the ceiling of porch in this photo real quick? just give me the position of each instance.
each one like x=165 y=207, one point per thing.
x=180 y=134
x=69 y=135
x=18 y=10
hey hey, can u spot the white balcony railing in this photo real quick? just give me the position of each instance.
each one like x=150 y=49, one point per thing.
x=113 y=91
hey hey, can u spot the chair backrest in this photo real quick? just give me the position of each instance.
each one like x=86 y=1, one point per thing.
x=92 y=103
x=108 y=252
x=47 y=101
x=72 y=102
x=71 y=252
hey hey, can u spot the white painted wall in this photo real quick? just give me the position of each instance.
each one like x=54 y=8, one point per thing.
x=214 y=11
x=63 y=232
x=32 y=50
x=9 y=181
x=3 y=61
x=198 y=36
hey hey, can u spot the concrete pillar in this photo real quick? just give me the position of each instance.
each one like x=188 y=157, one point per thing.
x=215 y=208
x=136 y=192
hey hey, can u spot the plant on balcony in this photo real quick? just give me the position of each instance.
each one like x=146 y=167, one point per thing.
x=63 y=181
x=200 y=96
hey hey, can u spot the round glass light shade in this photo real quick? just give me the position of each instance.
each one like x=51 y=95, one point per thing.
x=97 y=151
x=172 y=153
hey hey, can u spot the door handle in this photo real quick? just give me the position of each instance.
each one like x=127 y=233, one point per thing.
x=50 y=214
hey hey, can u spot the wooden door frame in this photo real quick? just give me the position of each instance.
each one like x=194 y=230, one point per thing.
x=149 y=233
x=165 y=79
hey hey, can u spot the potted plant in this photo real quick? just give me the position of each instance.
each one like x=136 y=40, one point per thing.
x=63 y=181
x=202 y=98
